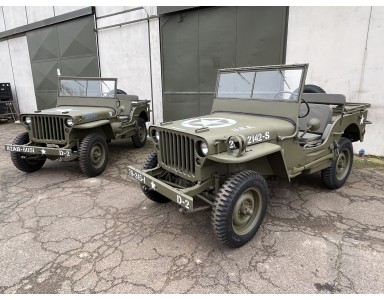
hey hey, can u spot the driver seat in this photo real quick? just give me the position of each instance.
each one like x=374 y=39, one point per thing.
x=322 y=112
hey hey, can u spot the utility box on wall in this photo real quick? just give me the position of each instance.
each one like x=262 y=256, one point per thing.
x=5 y=92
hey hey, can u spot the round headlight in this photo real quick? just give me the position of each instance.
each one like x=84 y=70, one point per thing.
x=27 y=120
x=69 y=122
x=202 y=149
x=155 y=135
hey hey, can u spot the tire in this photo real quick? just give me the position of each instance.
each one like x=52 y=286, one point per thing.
x=337 y=174
x=27 y=165
x=150 y=163
x=313 y=89
x=120 y=92
x=140 y=137
x=247 y=193
x=93 y=155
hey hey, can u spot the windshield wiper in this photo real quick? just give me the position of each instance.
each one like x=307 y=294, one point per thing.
x=243 y=77
x=281 y=73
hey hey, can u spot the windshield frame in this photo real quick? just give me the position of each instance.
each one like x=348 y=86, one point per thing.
x=279 y=68
x=87 y=79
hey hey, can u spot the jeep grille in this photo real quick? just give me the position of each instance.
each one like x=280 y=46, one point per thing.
x=178 y=152
x=48 y=129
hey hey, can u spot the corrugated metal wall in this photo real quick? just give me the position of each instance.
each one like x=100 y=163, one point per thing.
x=196 y=43
x=70 y=46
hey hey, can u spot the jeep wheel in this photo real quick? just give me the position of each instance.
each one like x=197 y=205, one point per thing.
x=337 y=174
x=239 y=208
x=140 y=137
x=150 y=163
x=93 y=154
x=29 y=163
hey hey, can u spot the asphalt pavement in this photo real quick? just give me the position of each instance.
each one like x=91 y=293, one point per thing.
x=61 y=232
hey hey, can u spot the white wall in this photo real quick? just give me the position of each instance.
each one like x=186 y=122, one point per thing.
x=2 y=21
x=22 y=73
x=333 y=41
x=6 y=74
x=38 y=13
x=14 y=16
x=124 y=53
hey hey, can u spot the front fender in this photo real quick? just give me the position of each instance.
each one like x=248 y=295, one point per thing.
x=273 y=153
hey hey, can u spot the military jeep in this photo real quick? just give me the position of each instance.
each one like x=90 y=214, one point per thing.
x=265 y=123
x=90 y=112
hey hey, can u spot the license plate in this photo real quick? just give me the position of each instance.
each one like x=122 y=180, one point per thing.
x=136 y=175
x=24 y=149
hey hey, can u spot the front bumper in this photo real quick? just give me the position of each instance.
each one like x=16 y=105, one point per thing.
x=176 y=195
x=35 y=150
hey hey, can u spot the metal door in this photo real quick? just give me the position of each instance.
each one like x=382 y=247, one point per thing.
x=70 y=46
x=195 y=44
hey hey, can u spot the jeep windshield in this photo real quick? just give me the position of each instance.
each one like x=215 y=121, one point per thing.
x=81 y=87
x=279 y=84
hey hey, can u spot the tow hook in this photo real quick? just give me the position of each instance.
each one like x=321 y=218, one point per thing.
x=182 y=210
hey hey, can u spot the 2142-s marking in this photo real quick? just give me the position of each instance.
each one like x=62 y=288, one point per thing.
x=258 y=137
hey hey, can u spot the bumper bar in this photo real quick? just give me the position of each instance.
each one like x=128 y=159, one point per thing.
x=174 y=194
x=35 y=150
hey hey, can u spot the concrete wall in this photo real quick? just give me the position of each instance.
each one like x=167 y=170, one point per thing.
x=342 y=47
x=125 y=51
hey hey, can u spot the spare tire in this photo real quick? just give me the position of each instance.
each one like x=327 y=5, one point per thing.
x=313 y=89
x=120 y=92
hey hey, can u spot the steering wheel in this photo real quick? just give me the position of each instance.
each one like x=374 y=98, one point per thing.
x=285 y=92
x=308 y=108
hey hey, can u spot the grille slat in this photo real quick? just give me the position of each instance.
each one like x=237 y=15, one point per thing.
x=178 y=152
x=48 y=129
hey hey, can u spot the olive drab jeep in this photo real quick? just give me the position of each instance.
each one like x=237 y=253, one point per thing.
x=90 y=112
x=265 y=122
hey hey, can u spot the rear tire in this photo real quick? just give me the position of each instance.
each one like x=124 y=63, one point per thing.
x=93 y=155
x=337 y=174
x=140 y=137
x=27 y=165
x=313 y=89
x=150 y=163
x=239 y=208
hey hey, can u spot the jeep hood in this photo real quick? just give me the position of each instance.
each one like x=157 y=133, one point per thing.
x=86 y=113
x=224 y=125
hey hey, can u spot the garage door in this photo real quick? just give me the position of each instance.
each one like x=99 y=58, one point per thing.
x=70 y=46
x=195 y=44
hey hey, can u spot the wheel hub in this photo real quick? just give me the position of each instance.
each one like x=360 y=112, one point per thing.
x=342 y=165
x=246 y=211
x=96 y=154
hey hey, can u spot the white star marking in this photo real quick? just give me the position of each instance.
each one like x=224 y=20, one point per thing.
x=43 y=151
x=61 y=109
x=153 y=185
x=362 y=120
x=208 y=122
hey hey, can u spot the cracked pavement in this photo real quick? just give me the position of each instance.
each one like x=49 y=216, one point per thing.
x=61 y=232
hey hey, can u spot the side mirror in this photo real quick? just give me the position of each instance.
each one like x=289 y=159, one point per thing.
x=313 y=124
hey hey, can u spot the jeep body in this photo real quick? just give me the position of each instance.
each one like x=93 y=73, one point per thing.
x=90 y=112
x=265 y=122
